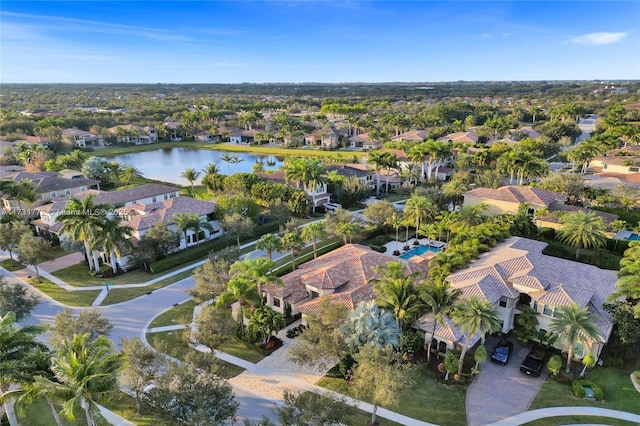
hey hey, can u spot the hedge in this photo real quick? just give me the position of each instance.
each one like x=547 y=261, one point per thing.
x=577 y=386
x=600 y=258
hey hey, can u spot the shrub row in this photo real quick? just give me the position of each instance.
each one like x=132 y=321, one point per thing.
x=600 y=258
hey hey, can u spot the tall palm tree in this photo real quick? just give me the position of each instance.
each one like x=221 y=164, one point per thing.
x=474 y=315
x=16 y=347
x=312 y=233
x=371 y=325
x=256 y=270
x=81 y=220
x=238 y=289
x=25 y=190
x=417 y=154
x=628 y=285
x=292 y=241
x=378 y=160
x=114 y=237
x=227 y=158
x=395 y=290
x=191 y=222
x=211 y=178
x=191 y=175
x=453 y=190
x=269 y=243
x=442 y=152
x=390 y=162
x=86 y=371
x=395 y=221
x=439 y=299
x=583 y=230
x=114 y=170
x=236 y=160
x=574 y=325
x=419 y=209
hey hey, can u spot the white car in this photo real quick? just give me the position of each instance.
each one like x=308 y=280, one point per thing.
x=331 y=207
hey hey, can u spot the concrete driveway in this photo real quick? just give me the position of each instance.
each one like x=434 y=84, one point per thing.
x=501 y=391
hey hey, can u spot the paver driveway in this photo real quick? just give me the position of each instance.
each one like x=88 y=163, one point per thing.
x=501 y=391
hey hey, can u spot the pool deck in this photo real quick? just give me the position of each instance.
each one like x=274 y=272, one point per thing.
x=391 y=246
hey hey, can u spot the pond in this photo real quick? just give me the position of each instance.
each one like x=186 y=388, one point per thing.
x=168 y=164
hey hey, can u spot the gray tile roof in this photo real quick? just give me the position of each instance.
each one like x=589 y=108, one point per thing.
x=518 y=194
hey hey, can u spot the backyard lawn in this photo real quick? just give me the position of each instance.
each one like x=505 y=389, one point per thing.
x=428 y=401
x=11 y=265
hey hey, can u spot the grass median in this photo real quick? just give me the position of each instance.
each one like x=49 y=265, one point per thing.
x=71 y=298
x=118 y=295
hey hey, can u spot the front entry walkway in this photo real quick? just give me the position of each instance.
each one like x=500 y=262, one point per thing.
x=501 y=391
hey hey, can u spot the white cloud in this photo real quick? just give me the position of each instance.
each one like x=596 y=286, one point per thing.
x=597 y=39
x=485 y=35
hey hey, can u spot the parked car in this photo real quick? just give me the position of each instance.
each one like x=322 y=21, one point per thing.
x=502 y=352
x=331 y=207
x=533 y=363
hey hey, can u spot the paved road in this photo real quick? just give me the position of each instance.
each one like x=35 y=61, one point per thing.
x=502 y=387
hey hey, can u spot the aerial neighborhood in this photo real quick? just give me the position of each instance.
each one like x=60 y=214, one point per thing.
x=429 y=253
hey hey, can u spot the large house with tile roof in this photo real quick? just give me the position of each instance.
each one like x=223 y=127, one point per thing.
x=356 y=170
x=411 y=136
x=470 y=136
x=81 y=138
x=318 y=195
x=363 y=141
x=131 y=133
x=343 y=275
x=325 y=137
x=514 y=275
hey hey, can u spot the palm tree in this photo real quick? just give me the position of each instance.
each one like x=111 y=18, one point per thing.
x=191 y=222
x=256 y=270
x=238 y=289
x=588 y=361
x=25 y=190
x=227 y=158
x=86 y=371
x=454 y=190
x=417 y=154
x=371 y=325
x=583 y=230
x=191 y=175
x=129 y=174
x=419 y=208
x=269 y=243
x=378 y=160
x=439 y=299
x=114 y=170
x=442 y=152
x=390 y=162
x=16 y=347
x=395 y=221
x=628 y=285
x=236 y=160
x=81 y=221
x=312 y=233
x=480 y=355
x=474 y=315
x=264 y=321
x=574 y=325
x=114 y=237
x=211 y=178
x=292 y=241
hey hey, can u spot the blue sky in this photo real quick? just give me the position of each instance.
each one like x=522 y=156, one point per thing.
x=320 y=41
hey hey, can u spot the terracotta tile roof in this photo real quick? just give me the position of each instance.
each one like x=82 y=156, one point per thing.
x=469 y=136
x=350 y=170
x=400 y=154
x=55 y=227
x=445 y=329
x=411 y=136
x=143 y=216
x=518 y=194
x=48 y=181
x=557 y=206
x=127 y=195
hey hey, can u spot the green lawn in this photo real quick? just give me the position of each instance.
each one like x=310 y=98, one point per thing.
x=619 y=393
x=362 y=418
x=11 y=265
x=428 y=400
x=72 y=298
x=181 y=314
x=244 y=350
x=176 y=344
x=123 y=294
x=78 y=275
x=39 y=413
x=573 y=420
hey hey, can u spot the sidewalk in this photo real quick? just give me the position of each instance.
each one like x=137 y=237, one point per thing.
x=529 y=416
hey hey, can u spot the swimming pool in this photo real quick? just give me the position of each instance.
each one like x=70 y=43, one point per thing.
x=633 y=237
x=417 y=251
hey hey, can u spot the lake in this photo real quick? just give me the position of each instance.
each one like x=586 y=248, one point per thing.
x=168 y=164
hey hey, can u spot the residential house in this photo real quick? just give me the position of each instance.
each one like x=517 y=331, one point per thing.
x=470 y=136
x=621 y=161
x=49 y=185
x=142 y=217
x=411 y=136
x=507 y=199
x=48 y=226
x=173 y=129
x=343 y=275
x=326 y=138
x=81 y=138
x=359 y=171
x=132 y=133
x=515 y=275
x=363 y=141
x=318 y=195
x=242 y=136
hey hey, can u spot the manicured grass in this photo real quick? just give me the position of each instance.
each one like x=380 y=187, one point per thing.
x=428 y=400
x=244 y=350
x=619 y=393
x=39 y=414
x=176 y=344
x=181 y=314
x=78 y=275
x=361 y=418
x=123 y=294
x=72 y=298
x=125 y=406
x=59 y=251
x=11 y=265
x=572 y=420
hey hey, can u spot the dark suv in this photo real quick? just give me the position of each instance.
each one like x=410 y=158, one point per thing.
x=502 y=352
x=533 y=363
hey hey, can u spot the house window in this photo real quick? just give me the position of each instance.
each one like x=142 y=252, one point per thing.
x=201 y=236
x=67 y=191
x=153 y=199
x=606 y=166
x=634 y=169
x=276 y=302
x=578 y=350
x=53 y=194
x=557 y=312
x=83 y=188
x=166 y=196
x=535 y=305
x=188 y=239
x=503 y=302
x=547 y=310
